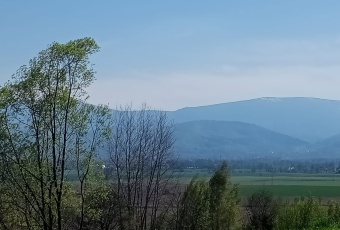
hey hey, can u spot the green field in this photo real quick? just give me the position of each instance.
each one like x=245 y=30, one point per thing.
x=280 y=184
x=326 y=186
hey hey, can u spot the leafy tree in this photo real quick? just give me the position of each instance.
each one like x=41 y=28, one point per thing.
x=46 y=129
x=223 y=200
x=303 y=213
x=209 y=205
x=194 y=208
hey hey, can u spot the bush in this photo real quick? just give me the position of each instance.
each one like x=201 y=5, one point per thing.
x=262 y=209
x=303 y=213
x=209 y=205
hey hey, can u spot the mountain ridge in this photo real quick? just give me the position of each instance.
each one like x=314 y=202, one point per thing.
x=309 y=119
x=234 y=139
x=257 y=98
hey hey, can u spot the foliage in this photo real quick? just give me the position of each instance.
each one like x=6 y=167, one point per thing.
x=262 y=209
x=212 y=205
x=194 y=207
x=46 y=129
x=49 y=132
x=303 y=213
x=223 y=199
x=333 y=213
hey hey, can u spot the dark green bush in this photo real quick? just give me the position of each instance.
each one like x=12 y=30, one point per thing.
x=262 y=209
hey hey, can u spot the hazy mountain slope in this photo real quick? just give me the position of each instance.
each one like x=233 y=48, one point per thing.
x=308 y=119
x=212 y=139
x=329 y=147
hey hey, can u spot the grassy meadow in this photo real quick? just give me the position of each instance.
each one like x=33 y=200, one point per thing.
x=287 y=185
x=280 y=184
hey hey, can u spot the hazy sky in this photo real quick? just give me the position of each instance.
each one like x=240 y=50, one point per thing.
x=178 y=53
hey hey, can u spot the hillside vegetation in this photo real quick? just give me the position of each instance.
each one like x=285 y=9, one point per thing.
x=230 y=139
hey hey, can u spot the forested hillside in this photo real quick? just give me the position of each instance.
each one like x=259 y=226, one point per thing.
x=308 y=119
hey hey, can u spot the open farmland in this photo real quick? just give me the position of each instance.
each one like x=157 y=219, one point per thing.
x=280 y=184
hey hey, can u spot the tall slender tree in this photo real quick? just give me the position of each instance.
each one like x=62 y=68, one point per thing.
x=208 y=205
x=193 y=213
x=46 y=127
x=223 y=200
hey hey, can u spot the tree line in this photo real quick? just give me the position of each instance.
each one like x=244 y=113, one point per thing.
x=259 y=165
x=49 y=134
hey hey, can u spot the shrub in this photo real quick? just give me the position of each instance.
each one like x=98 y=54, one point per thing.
x=262 y=209
x=303 y=213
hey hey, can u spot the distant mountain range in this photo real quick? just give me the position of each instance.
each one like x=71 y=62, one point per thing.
x=328 y=147
x=264 y=127
x=233 y=139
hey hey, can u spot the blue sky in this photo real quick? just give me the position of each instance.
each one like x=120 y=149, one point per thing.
x=173 y=54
